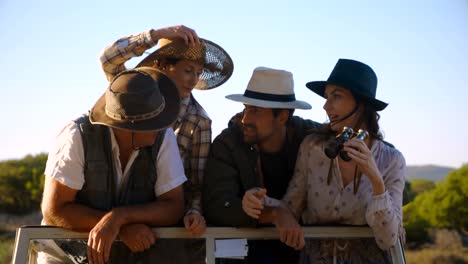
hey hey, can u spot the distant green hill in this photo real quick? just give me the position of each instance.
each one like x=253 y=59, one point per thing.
x=429 y=172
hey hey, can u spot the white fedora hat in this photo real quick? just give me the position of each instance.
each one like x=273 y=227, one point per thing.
x=270 y=88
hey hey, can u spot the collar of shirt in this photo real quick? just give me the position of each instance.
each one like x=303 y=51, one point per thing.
x=121 y=173
x=183 y=108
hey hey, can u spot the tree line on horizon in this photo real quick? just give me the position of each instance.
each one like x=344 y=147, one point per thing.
x=428 y=205
x=441 y=205
x=21 y=184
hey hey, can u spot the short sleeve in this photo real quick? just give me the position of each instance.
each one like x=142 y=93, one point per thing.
x=169 y=165
x=65 y=162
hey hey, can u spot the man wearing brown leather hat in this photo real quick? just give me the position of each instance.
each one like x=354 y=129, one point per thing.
x=117 y=172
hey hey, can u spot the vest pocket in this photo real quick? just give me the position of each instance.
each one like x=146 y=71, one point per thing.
x=97 y=176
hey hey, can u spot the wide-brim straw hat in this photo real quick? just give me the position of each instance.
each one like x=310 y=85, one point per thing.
x=357 y=77
x=217 y=64
x=270 y=88
x=142 y=99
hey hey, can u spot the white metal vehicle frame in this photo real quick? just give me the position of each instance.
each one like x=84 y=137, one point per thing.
x=25 y=235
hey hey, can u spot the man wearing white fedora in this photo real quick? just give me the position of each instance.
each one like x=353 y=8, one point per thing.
x=256 y=155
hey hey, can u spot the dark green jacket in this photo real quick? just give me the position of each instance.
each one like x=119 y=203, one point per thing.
x=231 y=170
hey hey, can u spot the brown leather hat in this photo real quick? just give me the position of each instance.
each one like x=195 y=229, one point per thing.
x=142 y=99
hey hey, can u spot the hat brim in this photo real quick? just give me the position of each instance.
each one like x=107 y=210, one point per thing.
x=163 y=120
x=318 y=87
x=269 y=104
x=217 y=69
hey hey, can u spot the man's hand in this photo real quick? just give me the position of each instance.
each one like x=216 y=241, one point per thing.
x=101 y=237
x=290 y=231
x=187 y=34
x=195 y=223
x=252 y=202
x=137 y=237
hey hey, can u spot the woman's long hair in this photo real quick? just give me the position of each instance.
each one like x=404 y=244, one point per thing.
x=369 y=117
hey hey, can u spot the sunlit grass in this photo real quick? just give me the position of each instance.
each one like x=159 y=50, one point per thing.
x=453 y=255
x=7 y=240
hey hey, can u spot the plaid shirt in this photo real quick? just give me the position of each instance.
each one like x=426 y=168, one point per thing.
x=192 y=127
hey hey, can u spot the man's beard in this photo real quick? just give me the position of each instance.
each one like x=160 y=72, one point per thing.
x=251 y=139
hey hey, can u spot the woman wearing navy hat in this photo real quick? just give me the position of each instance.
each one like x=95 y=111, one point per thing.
x=360 y=183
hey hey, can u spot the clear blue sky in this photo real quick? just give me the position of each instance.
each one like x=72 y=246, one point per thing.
x=50 y=73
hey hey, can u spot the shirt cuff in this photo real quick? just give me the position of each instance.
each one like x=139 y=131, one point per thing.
x=148 y=39
x=193 y=211
x=378 y=203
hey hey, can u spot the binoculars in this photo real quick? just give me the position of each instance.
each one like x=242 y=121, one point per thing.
x=335 y=146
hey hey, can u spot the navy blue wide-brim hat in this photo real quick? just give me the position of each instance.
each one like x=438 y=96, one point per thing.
x=355 y=76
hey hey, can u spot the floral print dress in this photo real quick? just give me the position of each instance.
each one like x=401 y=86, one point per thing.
x=317 y=202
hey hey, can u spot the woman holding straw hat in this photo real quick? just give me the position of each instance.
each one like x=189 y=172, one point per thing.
x=361 y=184
x=192 y=63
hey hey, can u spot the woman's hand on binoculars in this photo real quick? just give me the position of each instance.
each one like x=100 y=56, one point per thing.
x=362 y=156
